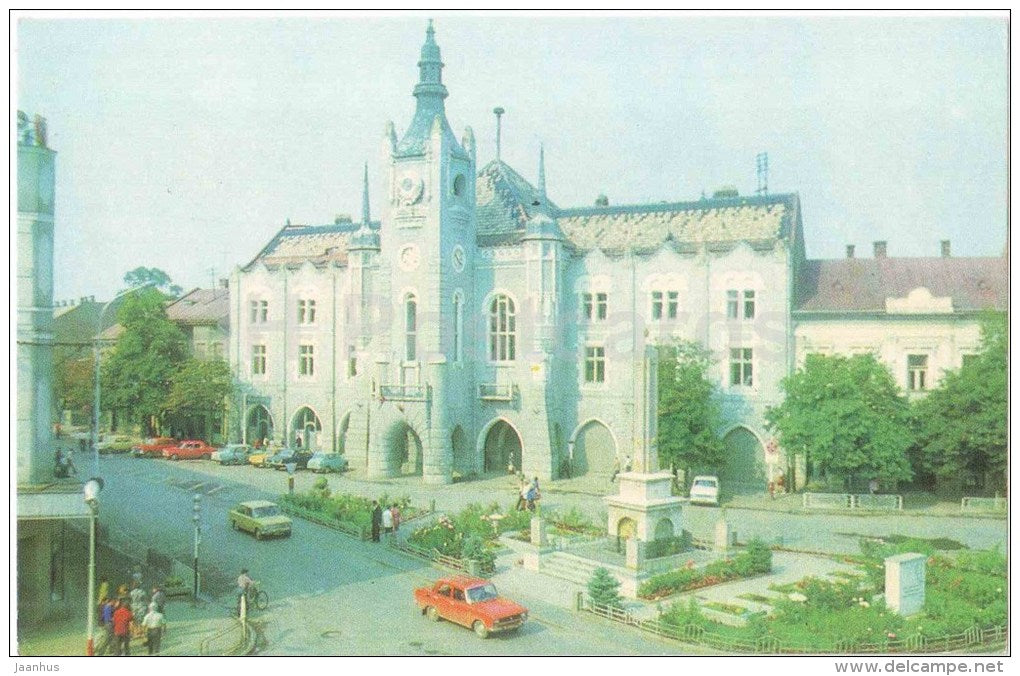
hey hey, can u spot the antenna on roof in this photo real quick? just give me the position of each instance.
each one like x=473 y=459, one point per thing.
x=499 y=113
x=212 y=277
x=761 y=162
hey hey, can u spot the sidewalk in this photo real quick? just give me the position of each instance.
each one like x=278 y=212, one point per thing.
x=187 y=627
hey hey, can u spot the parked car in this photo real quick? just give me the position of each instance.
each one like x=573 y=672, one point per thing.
x=705 y=490
x=233 y=454
x=261 y=518
x=289 y=455
x=190 y=449
x=258 y=459
x=327 y=462
x=472 y=602
x=153 y=448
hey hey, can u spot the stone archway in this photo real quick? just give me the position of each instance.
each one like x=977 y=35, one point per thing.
x=502 y=445
x=594 y=450
x=745 y=461
x=305 y=428
x=463 y=460
x=402 y=450
x=258 y=424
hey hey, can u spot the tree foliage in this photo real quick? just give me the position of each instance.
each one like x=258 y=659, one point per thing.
x=689 y=416
x=198 y=389
x=154 y=277
x=73 y=384
x=137 y=376
x=603 y=589
x=961 y=426
x=847 y=416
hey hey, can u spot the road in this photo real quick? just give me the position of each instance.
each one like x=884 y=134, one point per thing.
x=329 y=594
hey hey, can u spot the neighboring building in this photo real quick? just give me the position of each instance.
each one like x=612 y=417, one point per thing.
x=479 y=324
x=75 y=324
x=51 y=570
x=919 y=316
x=204 y=317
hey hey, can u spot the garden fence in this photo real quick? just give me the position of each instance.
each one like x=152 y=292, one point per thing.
x=315 y=517
x=698 y=635
x=852 y=501
x=983 y=504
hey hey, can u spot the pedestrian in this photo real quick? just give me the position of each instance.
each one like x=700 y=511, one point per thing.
x=122 y=591
x=137 y=609
x=104 y=590
x=122 y=618
x=387 y=520
x=873 y=486
x=522 y=496
x=159 y=598
x=376 y=520
x=510 y=468
x=106 y=623
x=627 y=464
x=83 y=445
x=616 y=470
x=153 y=622
x=243 y=584
x=531 y=494
x=395 y=515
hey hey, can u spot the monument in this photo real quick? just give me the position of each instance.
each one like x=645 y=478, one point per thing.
x=904 y=583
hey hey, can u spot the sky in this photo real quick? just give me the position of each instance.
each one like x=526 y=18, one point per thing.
x=185 y=143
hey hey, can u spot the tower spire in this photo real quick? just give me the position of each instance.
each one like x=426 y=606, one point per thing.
x=365 y=220
x=499 y=114
x=430 y=90
x=541 y=170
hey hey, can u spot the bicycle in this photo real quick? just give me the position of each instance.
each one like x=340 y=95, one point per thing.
x=257 y=598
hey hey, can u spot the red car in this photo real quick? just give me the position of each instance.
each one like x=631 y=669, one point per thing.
x=472 y=602
x=189 y=450
x=153 y=447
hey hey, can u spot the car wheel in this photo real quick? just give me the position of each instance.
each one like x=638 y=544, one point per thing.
x=233 y=525
x=174 y=457
x=480 y=629
x=258 y=534
x=432 y=613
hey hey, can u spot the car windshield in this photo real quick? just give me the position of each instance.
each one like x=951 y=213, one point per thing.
x=707 y=483
x=268 y=510
x=485 y=592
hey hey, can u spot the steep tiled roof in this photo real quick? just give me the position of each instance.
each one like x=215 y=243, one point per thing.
x=318 y=244
x=863 y=284
x=505 y=201
x=646 y=226
x=201 y=306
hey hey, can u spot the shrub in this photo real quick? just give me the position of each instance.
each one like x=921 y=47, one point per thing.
x=474 y=548
x=603 y=589
x=683 y=614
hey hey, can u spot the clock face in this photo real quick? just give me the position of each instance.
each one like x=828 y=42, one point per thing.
x=458 y=258
x=410 y=188
x=410 y=257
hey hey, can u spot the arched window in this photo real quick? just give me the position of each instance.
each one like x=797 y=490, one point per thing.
x=502 y=329
x=458 y=326
x=410 y=328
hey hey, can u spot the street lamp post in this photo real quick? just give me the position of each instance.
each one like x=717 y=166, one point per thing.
x=91 y=493
x=196 y=517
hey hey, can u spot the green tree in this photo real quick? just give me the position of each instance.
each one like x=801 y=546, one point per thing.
x=961 y=425
x=689 y=417
x=603 y=589
x=154 y=277
x=197 y=393
x=73 y=384
x=847 y=417
x=137 y=376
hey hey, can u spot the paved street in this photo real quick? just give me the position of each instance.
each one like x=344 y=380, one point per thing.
x=330 y=594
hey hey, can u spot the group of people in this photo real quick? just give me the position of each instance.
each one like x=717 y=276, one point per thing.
x=63 y=465
x=126 y=615
x=384 y=520
x=528 y=494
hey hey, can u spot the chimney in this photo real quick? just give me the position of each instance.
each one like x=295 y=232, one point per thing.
x=880 y=249
x=849 y=250
x=945 y=248
x=224 y=283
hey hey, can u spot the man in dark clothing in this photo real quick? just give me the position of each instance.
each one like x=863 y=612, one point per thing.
x=376 y=520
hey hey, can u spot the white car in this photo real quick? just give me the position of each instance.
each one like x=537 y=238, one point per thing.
x=705 y=490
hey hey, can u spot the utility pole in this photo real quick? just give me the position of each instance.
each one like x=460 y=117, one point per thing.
x=196 y=517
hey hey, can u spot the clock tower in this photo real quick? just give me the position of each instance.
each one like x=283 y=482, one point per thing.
x=427 y=251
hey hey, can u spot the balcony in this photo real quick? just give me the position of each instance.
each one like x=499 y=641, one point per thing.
x=403 y=392
x=497 y=391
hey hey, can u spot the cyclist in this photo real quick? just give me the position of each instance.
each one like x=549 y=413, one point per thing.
x=244 y=583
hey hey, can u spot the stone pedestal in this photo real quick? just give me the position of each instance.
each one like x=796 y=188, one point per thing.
x=904 y=583
x=538 y=534
x=722 y=535
x=645 y=507
x=634 y=552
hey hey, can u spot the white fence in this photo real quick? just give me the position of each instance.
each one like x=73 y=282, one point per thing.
x=862 y=501
x=983 y=504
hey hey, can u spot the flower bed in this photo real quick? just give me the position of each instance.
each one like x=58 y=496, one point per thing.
x=351 y=514
x=470 y=534
x=755 y=560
